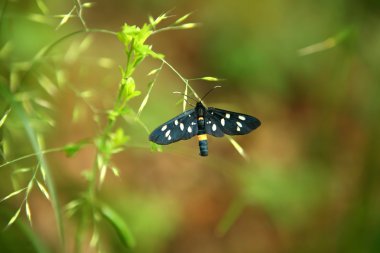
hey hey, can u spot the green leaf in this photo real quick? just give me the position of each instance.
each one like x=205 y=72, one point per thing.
x=238 y=148
x=210 y=78
x=43 y=103
x=6 y=50
x=112 y=115
x=38 y=18
x=14 y=217
x=43 y=190
x=230 y=217
x=102 y=176
x=85 y=44
x=88 y=4
x=30 y=186
x=154 y=71
x=21 y=170
x=151 y=21
x=156 y=55
x=144 y=33
x=43 y=172
x=183 y=18
x=118 y=138
x=187 y=26
x=65 y=18
x=72 y=207
x=119 y=225
x=28 y=213
x=128 y=91
x=159 y=19
x=4 y=118
x=94 y=242
x=145 y=101
x=77 y=112
x=127 y=34
x=12 y=194
x=72 y=149
x=106 y=63
x=115 y=171
x=73 y=204
x=42 y=6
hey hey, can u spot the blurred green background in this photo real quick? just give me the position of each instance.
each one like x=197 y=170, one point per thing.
x=309 y=70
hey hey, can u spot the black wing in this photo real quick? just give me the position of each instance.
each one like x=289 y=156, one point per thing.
x=220 y=121
x=182 y=127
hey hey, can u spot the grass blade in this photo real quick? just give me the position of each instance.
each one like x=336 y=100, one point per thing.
x=145 y=101
x=65 y=18
x=119 y=226
x=230 y=217
x=49 y=180
x=28 y=213
x=12 y=194
x=4 y=118
x=238 y=148
x=14 y=217
x=183 y=18
x=42 y=6
x=43 y=189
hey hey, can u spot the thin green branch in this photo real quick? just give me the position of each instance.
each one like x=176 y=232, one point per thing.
x=176 y=27
x=46 y=50
x=47 y=151
x=80 y=13
x=145 y=100
x=4 y=7
x=184 y=80
x=48 y=177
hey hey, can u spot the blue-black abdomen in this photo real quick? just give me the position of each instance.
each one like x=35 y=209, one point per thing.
x=203 y=147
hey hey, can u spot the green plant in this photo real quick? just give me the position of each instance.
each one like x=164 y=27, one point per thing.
x=22 y=105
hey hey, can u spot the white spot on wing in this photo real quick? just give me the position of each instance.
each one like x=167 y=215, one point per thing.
x=238 y=129
x=176 y=122
x=213 y=127
x=239 y=124
x=167 y=133
x=222 y=121
x=164 y=128
x=169 y=137
x=193 y=123
x=189 y=129
x=228 y=115
x=181 y=126
x=241 y=117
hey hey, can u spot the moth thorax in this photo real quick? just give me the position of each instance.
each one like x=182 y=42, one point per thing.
x=200 y=112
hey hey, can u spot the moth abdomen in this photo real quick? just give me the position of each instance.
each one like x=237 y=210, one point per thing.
x=203 y=145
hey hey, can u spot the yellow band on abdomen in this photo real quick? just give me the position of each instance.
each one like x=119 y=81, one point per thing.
x=202 y=137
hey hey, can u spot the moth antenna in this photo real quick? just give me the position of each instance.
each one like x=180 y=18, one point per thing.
x=189 y=103
x=208 y=92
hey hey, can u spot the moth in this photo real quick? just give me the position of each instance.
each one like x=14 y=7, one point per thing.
x=202 y=121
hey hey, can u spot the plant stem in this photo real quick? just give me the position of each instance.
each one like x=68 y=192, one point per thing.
x=80 y=13
x=43 y=152
x=49 y=179
x=186 y=81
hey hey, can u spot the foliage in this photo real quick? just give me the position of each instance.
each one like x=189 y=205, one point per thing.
x=33 y=109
